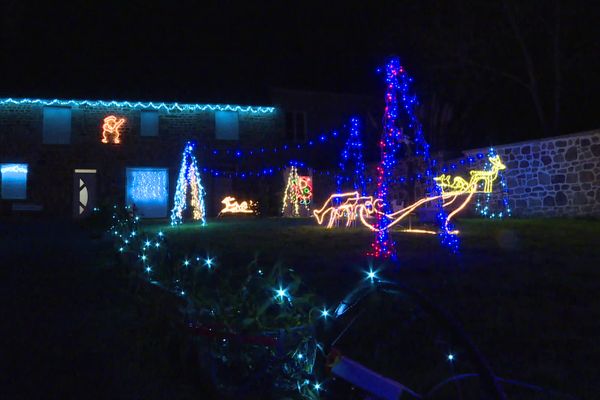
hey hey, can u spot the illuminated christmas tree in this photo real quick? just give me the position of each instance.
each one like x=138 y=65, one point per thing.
x=298 y=191
x=352 y=166
x=398 y=92
x=189 y=177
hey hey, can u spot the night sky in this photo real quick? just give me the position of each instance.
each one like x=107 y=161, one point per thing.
x=466 y=57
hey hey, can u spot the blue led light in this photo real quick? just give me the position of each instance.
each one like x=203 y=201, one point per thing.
x=14 y=181
x=147 y=188
x=140 y=105
x=483 y=204
x=189 y=178
x=352 y=166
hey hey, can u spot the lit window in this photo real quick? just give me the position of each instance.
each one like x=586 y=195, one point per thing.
x=148 y=190
x=149 y=123
x=227 y=125
x=57 y=125
x=14 y=181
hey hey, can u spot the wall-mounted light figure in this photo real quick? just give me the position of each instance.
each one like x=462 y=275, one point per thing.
x=111 y=129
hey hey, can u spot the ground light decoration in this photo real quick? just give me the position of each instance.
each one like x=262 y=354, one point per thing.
x=344 y=206
x=398 y=92
x=297 y=193
x=231 y=206
x=454 y=192
x=188 y=178
x=389 y=145
x=483 y=203
x=265 y=316
x=111 y=129
x=214 y=310
x=352 y=166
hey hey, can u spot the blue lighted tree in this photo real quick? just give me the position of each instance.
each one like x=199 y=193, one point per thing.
x=189 y=177
x=398 y=93
x=352 y=166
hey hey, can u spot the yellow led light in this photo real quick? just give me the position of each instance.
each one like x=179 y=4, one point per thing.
x=349 y=209
x=459 y=184
x=350 y=205
x=111 y=127
x=298 y=190
x=233 y=207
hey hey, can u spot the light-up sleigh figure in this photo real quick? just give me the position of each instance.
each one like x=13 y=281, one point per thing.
x=233 y=207
x=351 y=205
x=345 y=205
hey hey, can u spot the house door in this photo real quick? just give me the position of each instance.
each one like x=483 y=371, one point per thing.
x=84 y=195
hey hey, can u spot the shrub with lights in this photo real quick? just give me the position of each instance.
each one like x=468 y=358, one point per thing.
x=250 y=326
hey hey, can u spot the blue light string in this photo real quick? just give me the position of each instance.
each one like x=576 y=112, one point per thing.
x=422 y=149
x=268 y=171
x=247 y=152
x=351 y=161
x=140 y=105
x=482 y=206
x=383 y=245
x=189 y=166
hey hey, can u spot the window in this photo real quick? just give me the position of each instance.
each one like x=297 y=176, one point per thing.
x=289 y=126
x=149 y=123
x=14 y=181
x=300 y=126
x=148 y=189
x=295 y=126
x=57 y=125
x=226 y=125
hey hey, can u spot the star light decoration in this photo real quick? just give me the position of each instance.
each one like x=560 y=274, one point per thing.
x=189 y=177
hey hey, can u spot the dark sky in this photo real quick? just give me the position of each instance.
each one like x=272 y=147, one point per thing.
x=464 y=55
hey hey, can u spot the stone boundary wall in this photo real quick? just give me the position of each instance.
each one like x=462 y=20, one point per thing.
x=552 y=177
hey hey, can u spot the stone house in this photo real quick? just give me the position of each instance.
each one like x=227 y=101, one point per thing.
x=63 y=157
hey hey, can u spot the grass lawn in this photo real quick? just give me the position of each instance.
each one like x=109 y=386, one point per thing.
x=527 y=292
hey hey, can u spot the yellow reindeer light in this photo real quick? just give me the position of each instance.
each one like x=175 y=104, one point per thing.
x=352 y=206
x=459 y=184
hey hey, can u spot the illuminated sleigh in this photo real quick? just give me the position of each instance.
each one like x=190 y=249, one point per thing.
x=455 y=193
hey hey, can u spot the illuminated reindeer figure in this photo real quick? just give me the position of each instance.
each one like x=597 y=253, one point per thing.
x=111 y=127
x=459 y=184
x=345 y=205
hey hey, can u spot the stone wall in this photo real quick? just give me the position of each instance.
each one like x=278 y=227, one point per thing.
x=551 y=177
